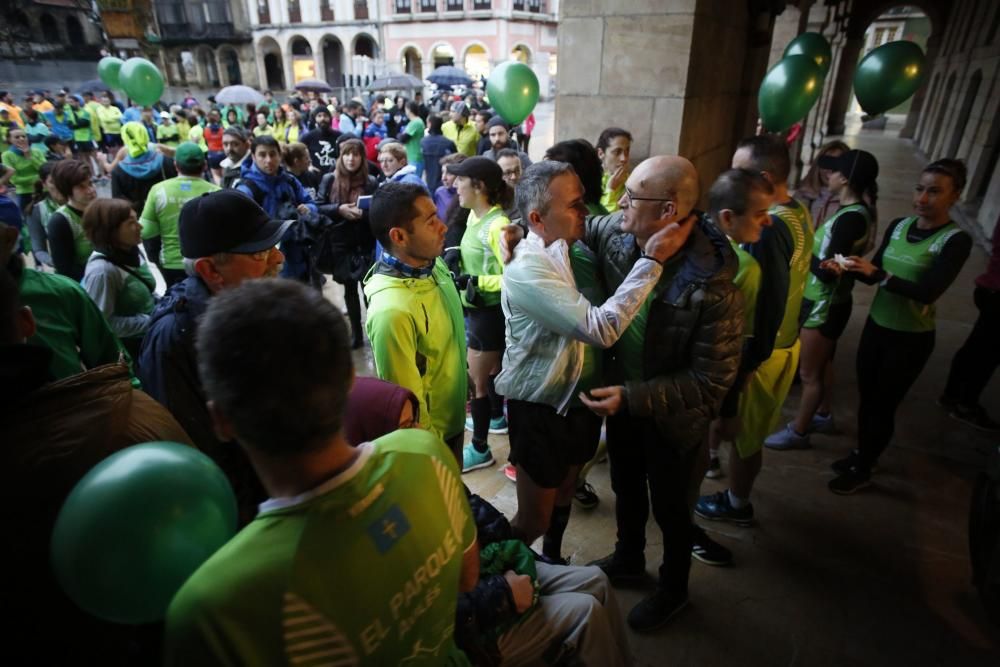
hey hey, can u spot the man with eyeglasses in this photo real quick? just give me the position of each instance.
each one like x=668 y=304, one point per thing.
x=668 y=373
x=225 y=240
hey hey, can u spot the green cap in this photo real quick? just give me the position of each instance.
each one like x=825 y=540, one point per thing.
x=189 y=155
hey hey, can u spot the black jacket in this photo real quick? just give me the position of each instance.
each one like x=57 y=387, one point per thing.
x=347 y=247
x=693 y=332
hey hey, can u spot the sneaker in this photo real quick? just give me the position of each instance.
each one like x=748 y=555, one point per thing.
x=842 y=466
x=498 y=425
x=621 y=573
x=854 y=479
x=473 y=459
x=975 y=417
x=714 y=468
x=822 y=424
x=510 y=472
x=655 y=610
x=787 y=438
x=717 y=507
x=708 y=551
x=586 y=497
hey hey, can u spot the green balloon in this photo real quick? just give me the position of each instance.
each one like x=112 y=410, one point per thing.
x=788 y=91
x=815 y=46
x=513 y=91
x=141 y=81
x=135 y=528
x=108 y=69
x=887 y=76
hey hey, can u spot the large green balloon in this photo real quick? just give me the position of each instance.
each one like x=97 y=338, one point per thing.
x=141 y=81
x=887 y=76
x=788 y=91
x=513 y=91
x=815 y=46
x=135 y=528
x=108 y=69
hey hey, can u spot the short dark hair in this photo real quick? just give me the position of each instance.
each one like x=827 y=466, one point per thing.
x=394 y=205
x=102 y=219
x=949 y=167
x=264 y=140
x=583 y=156
x=68 y=174
x=485 y=114
x=610 y=133
x=413 y=107
x=452 y=158
x=507 y=152
x=434 y=123
x=732 y=189
x=273 y=356
x=768 y=153
x=52 y=140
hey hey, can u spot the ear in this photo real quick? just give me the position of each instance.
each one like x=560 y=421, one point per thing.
x=26 y=325
x=725 y=219
x=398 y=237
x=207 y=271
x=535 y=219
x=600 y=153
x=767 y=175
x=221 y=424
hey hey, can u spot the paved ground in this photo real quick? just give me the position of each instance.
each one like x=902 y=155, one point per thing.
x=879 y=578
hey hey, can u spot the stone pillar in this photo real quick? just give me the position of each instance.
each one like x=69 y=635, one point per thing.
x=913 y=117
x=844 y=84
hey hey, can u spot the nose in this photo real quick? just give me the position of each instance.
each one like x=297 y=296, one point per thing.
x=623 y=201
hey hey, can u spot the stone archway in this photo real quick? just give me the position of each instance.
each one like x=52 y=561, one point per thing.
x=476 y=61
x=521 y=53
x=412 y=62
x=74 y=31
x=365 y=45
x=333 y=60
x=964 y=112
x=301 y=62
x=270 y=63
x=229 y=66
x=208 y=75
x=443 y=53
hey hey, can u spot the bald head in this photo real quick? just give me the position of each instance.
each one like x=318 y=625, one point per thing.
x=672 y=176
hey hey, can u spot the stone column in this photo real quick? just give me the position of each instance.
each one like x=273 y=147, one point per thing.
x=913 y=117
x=843 y=86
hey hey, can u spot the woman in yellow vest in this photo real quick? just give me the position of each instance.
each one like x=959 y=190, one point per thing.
x=919 y=258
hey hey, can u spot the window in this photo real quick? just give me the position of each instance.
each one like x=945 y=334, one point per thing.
x=294 y=12
x=263 y=12
x=518 y=5
x=428 y=5
x=325 y=10
x=403 y=6
x=481 y=4
x=536 y=6
x=455 y=5
x=360 y=10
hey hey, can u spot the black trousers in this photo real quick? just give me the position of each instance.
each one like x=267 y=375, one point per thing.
x=978 y=358
x=888 y=364
x=647 y=470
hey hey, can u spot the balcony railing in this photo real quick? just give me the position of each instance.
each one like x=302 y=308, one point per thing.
x=361 y=10
x=294 y=13
x=326 y=12
x=404 y=6
x=428 y=5
x=454 y=5
x=199 y=31
x=481 y=5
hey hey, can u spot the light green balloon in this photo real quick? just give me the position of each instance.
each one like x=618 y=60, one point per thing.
x=513 y=91
x=788 y=91
x=108 y=69
x=142 y=81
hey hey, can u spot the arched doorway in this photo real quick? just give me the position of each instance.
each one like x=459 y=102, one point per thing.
x=270 y=60
x=74 y=31
x=476 y=61
x=521 y=54
x=300 y=47
x=231 y=66
x=303 y=62
x=209 y=70
x=50 y=29
x=333 y=60
x=413 y=62
x=443 y=54
x=942 y=112
x=365 y=46
x=963 y=114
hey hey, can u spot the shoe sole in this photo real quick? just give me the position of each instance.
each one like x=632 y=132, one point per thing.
x=660 y=624
x=738 y=522
x=713 y=474
x=852 y=491
x=978 y=427
x=494 y=431
x=786 y=448
x=586 y=506
x=708 y=561
x=484 y=464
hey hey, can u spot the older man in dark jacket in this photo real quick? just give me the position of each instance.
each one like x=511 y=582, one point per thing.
x=670 y=369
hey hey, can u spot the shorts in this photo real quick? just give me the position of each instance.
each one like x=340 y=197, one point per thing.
x=112 y=141
x=485 y=328
x=215 y=159
x=759 y=409
x=830 y=324
x=546 y=444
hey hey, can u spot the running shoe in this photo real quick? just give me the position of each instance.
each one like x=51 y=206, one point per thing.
x=844 y=465
x=854 y=479
x=498 y=425
x=708 y=551
x=510 y=472
x=586 y=497
x=975 y=417
x=714 y=469
x=822 y=424
x=621 y=572
x=473 y=459
x=716 y=507
x=786 y=439
x=655 y=610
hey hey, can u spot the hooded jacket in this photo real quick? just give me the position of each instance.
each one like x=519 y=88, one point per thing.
x=408 y=174
x=143 y=168
x=272 y=191
x=694 y=329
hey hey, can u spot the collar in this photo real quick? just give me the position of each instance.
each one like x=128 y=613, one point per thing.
x=405 y=269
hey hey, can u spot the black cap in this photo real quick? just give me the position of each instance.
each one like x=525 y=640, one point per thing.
x=859 y=167
x=495 y=121
x=226 y=221
x=480 y=168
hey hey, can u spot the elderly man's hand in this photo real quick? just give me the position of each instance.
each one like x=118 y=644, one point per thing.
x=510 y=236
x=665 y=243
x=606 y=401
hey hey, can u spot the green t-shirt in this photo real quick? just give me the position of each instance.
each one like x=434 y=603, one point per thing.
x=363 y=570
x=480 y=249
x=629 y=351
x=588 y=282
x=415 y=130
x=796 y=218
x=163 y=209
x=823 y=294
x=747 y=280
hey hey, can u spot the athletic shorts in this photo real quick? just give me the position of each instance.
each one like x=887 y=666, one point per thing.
x=485 y=328
x=833 y=324
x=546 y=444
x=760 y=402
x=215 y=159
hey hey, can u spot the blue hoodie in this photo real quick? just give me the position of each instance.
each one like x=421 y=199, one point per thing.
x=144 y=166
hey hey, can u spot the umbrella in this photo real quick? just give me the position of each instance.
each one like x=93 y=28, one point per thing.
x=238 y=95
x=314 y=84
x=94 y=86
x=448 y=75
x=396 y=82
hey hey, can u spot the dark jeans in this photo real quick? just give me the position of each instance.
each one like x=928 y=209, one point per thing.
x=641 y=459
x=888 y=364
x=974 y=363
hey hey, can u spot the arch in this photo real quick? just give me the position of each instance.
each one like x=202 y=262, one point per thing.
x=412 y=60
x=333 y=60
x=74 y=31
x=986 y=170
x=971 y=91
x=364 y=45
x=299 y=46
x=442 y=53
x=476 y=60
x=932 y=95
x=229 y=65
x=270 y=63
x=942 y=112
x=521 y=53
x=209 y=68
x=50 y=29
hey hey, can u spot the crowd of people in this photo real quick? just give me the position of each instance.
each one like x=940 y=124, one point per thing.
x=584 y=307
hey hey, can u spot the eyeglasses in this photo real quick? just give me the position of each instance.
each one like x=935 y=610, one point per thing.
x=629 y=198
x=259 y=256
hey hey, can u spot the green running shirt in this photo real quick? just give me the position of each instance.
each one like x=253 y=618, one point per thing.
x=822 y=294
x=747 y=281
x=162 y=211
x=480 y=249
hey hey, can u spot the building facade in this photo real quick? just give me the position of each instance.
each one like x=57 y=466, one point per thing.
x=205 y=43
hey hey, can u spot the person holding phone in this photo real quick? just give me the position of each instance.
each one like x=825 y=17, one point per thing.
x=340 y=194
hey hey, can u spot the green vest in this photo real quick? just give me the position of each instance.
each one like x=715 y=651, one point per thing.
x=747 y=281
x=81 y=243
x=136 y=296
x=909 y=261
x=83 y=133
x=478 y=257
x=822 y=294
x=796 y=217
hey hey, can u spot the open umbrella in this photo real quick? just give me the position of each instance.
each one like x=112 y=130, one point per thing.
x=396 y=82
x=448 y=75
x=313 y=84
x=238 y=95
x=94 y=86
